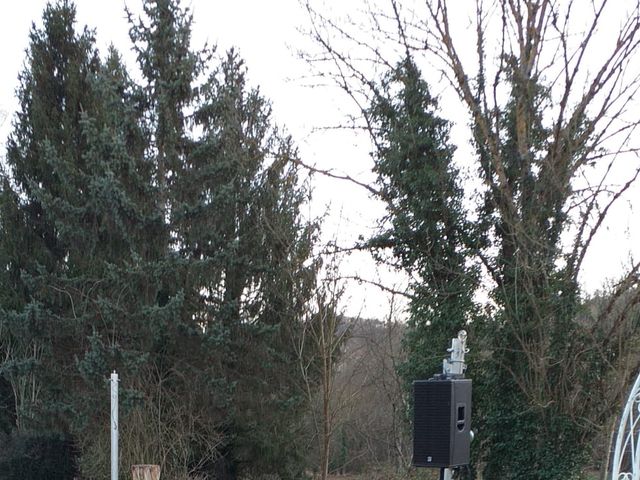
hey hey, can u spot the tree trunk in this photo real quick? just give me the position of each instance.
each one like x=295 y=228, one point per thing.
x=145 y=472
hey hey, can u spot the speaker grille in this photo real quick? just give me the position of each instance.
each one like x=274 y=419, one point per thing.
x=432 y=423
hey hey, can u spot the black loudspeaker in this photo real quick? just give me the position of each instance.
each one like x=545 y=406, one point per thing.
x=441 y=422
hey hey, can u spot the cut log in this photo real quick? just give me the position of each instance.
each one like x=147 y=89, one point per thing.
x=145 y=472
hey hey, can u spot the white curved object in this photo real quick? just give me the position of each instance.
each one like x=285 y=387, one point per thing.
x=626 y=456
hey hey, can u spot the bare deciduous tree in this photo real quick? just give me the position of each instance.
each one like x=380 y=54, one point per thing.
x=319 y=347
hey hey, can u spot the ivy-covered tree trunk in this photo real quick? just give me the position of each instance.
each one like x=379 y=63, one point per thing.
x=538 y=300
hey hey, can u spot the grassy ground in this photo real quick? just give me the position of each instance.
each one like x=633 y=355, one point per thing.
x=422 y=474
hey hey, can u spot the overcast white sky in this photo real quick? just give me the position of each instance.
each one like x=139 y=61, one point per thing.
x=266 y=35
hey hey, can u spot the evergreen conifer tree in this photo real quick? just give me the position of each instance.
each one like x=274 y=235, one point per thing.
x=154 y=229
x=44 y=153
x=231 y=198
x=241 y=225
x=426 y=225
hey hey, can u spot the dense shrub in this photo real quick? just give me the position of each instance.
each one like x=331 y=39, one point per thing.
x=37 y=456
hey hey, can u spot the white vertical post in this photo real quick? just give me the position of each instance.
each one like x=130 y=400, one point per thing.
x=114 y=426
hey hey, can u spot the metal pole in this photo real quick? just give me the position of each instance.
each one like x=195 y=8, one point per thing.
x=454 y=366
x=114 y=426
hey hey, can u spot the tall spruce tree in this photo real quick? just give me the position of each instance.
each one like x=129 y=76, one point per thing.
x=44 y=152
x=232 y=198
x=241 y=223
x=84 y=228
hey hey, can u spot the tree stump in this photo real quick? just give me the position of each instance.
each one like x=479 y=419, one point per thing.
x=145 y=472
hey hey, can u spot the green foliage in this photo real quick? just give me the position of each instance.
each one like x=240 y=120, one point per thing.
x=527 y=379
x=523 y=400
x=155 y=230
x=427 y=227
x=37 y=455
x=54 y=89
